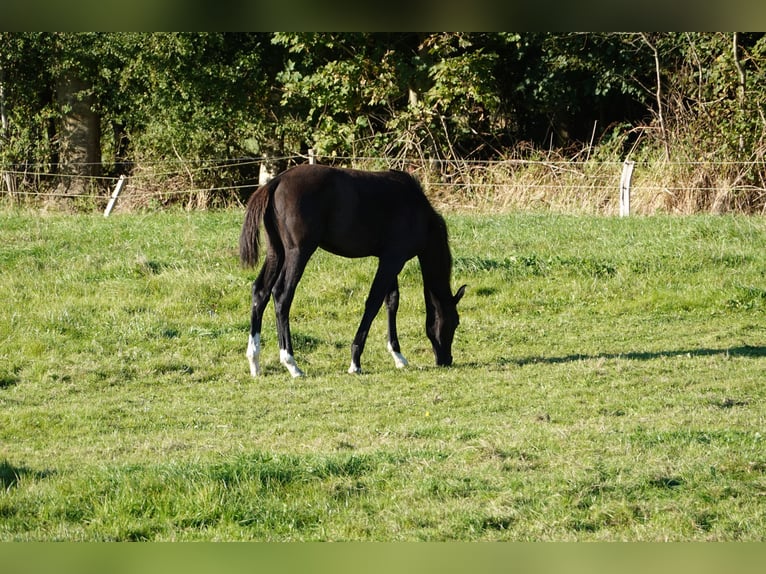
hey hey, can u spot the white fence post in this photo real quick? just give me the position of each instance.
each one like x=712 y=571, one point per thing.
x=312 y=156
x=627 y=174
x=115 y=193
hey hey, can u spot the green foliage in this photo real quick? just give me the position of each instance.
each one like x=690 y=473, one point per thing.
x=727 y=123
x=199 y=95
x=608 y=385
x=160 y=96
x=27 y=99
x=195 y=97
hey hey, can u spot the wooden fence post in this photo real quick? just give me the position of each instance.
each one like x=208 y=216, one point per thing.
x=10 y=183
x=627 y=174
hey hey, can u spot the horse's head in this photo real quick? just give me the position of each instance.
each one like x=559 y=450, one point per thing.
x=441 y=322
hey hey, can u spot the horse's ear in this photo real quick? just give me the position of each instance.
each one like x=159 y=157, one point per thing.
x=459 y=295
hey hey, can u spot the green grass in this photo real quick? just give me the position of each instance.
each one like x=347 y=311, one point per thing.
x=608 y=385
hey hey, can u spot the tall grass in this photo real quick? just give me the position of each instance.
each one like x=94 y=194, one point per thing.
x=587 y=181
x=607 y=386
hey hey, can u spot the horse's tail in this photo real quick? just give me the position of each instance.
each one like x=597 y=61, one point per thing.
x=254 y=213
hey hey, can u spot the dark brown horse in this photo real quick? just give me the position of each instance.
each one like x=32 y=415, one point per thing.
x=353 y=214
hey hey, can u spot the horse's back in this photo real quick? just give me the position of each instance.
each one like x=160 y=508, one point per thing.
x=355 y=213
x=308 y=178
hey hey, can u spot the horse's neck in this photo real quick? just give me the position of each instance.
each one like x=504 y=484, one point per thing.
x=436 y=266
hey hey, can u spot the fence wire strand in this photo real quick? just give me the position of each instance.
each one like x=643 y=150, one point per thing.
x=600 y=178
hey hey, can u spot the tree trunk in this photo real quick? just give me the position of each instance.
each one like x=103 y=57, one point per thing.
x=79 y=137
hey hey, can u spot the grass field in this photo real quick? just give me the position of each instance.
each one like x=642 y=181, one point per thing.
x=608 y=385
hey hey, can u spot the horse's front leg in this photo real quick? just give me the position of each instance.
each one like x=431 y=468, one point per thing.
x=381 y=287
x=392 y=306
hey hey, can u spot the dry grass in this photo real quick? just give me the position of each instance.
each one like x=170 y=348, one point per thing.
x=586 y=185
x=525 y=181
x=593 y=189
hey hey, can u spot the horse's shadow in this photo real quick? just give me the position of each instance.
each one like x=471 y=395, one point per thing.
x=10 y=475
x=747 y=351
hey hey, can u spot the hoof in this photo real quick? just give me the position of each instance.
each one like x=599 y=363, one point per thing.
x=289 y=362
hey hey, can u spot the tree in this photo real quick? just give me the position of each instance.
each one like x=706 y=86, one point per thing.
x=76 y=105
x=397 y=94
x=79 y=137
x=8 y=178
x=26 y=139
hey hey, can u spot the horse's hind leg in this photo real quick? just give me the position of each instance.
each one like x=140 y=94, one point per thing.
x=284 y=292
x=261 y=289
x=392 y=306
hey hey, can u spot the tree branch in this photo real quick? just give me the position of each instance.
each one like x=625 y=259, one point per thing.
x=658 y=93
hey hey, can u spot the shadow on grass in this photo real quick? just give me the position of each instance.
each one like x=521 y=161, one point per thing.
x=10 y=474
x=8 y=380
x=743 y=351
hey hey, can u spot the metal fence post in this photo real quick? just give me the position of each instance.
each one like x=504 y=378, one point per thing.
x=115 y=193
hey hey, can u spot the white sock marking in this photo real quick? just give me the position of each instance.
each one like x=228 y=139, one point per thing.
x=289 y=361
x=253 y=354
x=399 y=359
x=354 y=369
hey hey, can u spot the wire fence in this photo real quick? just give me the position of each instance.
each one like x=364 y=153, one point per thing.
x=591 y=186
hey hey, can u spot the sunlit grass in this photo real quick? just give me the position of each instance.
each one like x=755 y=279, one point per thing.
x=607 y=385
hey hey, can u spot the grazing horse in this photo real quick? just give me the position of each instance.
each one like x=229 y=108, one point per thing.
x=350 y=213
